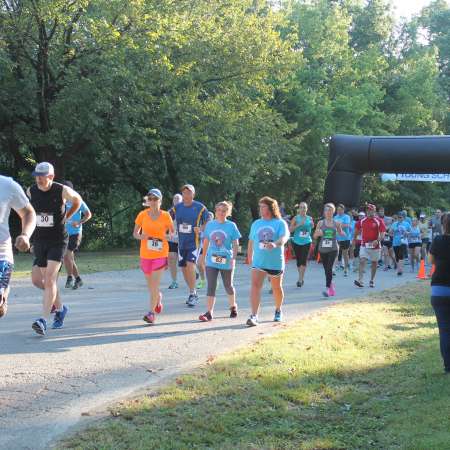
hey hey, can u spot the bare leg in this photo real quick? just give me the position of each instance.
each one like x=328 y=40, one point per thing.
x=153 y=282
x=255 y=290
x=173 y=261
x=50 y=276
x=189 y=275
x=278 y=293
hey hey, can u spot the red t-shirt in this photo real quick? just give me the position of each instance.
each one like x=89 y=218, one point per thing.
x=371 y=227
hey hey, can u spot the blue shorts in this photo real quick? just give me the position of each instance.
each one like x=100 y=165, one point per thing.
x=6 y=269
x=187 y=255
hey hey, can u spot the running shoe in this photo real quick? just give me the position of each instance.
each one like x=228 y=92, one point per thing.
x=40 y=326
x=233 y=312
x=399 y=274
x=207 y=317
x=331 y=290
x=78 y=283
x=270 y=291
x=371 y=284
x=69 y=283
x=334 y=273
x=358 y=283
x=300 y=283
x=3 y=307
x=159 y=307
x=386 y=268
x=278 y=316
x=58 y=321
x=252 y=321
x=173 y=285
x=200 y=284
x=345 y=273
x=325 y=293
x=192 y=300
x=149 y=317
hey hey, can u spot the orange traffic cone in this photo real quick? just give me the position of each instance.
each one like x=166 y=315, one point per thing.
x=433 y=268
x=318 y=258
x=422 y=275
x=287 y=253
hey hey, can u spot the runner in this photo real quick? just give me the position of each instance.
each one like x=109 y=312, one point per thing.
x=173 y=244
x=328 y=229
x=425 y=236
x=400 y=228
x=267 y=238
x=301 y=227
x=436 y=223
x=343 y=241
x=191 y=217
x=74 y=228
x=12 y=197
x=220 y=248
x=201 y=261
x=372 y=230
x=50 y=240
x=151 y=228
x=387 y=250
x=414 y=244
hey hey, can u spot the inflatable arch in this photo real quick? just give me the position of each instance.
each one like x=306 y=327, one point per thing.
x=353 y=156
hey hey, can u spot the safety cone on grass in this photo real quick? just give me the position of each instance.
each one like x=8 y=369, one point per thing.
x=422 y=275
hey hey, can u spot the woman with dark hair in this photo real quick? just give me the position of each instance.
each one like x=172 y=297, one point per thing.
x=440 y=287
x=268 y=235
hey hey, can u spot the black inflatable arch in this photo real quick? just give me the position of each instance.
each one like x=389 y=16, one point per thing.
x=353 y=156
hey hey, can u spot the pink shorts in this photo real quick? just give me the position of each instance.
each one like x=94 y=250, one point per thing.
x=151 y=265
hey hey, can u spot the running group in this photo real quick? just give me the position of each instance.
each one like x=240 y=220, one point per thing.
x=204 y=245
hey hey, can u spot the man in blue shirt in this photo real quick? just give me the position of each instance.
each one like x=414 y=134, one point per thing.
x=74 y=228
x=191 y=218
x=344 y=241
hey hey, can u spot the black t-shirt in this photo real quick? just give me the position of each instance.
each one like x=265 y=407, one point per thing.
x=440 y=249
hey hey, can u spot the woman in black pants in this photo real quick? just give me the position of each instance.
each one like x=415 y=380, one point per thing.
x=440 y=287
x=327 y=229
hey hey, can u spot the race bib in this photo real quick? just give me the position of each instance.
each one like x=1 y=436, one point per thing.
x=403 y=241
x=219 y=259
x=185 y=228
x=155 y=244
x=370 y=245
x=44 y=220
x=327 y=243
x=387 y=239
x=304 y=234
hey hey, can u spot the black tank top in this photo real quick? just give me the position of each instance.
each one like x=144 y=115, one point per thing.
x=50 y=210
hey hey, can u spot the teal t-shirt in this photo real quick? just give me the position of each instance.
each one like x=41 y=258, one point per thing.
x=302 y=234
x=344 y=219
x=262 y=232
x=220 y=248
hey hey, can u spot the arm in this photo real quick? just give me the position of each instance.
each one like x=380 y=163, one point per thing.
x=318 y=232
x=28 y=218
x=137 y=234
x=205 y=249
x=292 y=226
x=69 y=195
x=250 y=252
x=339 y=229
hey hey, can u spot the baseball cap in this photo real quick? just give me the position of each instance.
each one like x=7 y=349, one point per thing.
x=362 y=214
x=402 y=213
x=188 y=186
x=155 y=192
x=43 y=169
x=422 y=215
x=371 y=207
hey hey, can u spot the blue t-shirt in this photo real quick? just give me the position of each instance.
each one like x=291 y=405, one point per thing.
x=302 y=234
x=345 y=220
x=263 y=231
x=71 y=230
x=189 y=217
x=414 y=236
x=220 y=249
x=400 y=230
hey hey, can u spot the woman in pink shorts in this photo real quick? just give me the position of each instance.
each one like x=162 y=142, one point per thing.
x=152 y=227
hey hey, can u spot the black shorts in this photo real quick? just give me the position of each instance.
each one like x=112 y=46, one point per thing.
x=301 y=253
x=356 y=250
x=48 y=251
x=74 y=242
x=173 y=247
x=400 y=252
x=271 y=272
x=425 y=241
x=415 y=245
x=344 y=245
x=387 y=244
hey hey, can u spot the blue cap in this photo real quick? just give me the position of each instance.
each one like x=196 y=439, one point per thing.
x=401 y=213
x=155 y=192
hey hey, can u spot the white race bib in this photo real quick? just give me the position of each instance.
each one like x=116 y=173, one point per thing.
x=403 y=241
x=219 y=259
x=370 y=245
x=304 y=234
x=387 y=238
x=327 y=243
x=155 y=245
x=185 y=228
x=44 y=220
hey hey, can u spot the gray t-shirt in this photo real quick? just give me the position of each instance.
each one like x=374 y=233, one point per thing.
x=11 y=197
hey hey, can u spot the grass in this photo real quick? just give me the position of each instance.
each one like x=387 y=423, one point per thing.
x=360 y=375
x=88 y=262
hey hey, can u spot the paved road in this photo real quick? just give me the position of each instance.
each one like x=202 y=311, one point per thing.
x=106 y=352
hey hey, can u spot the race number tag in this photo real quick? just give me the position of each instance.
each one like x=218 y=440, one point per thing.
x=44 y=220
x=387 y=239
x=185 y=228
x=218 y=259
x=327 y=243
x=155 y=244
x=370 y=245
x=404 y=241
x=304 y=234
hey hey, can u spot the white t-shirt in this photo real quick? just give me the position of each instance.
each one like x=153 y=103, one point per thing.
x=11 y=196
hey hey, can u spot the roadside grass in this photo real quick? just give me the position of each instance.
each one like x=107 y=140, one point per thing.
x=359 y=375
x=88 y=262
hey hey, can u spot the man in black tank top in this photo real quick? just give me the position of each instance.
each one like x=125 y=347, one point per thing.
x=50 y=238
